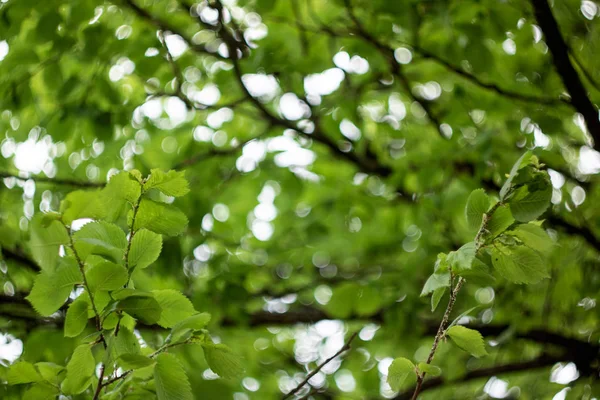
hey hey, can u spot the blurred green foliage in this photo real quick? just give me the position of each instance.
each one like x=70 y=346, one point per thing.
x=329 y=163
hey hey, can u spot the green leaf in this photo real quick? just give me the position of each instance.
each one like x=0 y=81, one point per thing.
x=193 y=323
x=144 y=308
x=479 y=273
x=106 y=276
x=80 y=369
x=100 y=238
x=519 y=264
x=122 y=190
x=436 y=281
x=222 y=360
x=134 y=361
x=22 y=372
x=462 y=259
x=526 y=205
x=500 y=221
x=77 y=317
x=50 y=372
x=160 y=218
x=534 y=237
x=477 y=204
x=175 y=307
x=41 y=391
x=172 y=183
x=145 y=249
x=170 y=379
x=399 y=371
x=51 y=289
x=124 y=343
x=82 y=204
x=432 y=370
x=45 y=242
x=467 y=339
x=521 y=162
x=436 y=297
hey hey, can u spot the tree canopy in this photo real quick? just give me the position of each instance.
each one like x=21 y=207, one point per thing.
x=261 y=199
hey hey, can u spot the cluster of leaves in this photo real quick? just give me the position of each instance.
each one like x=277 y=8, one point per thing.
x=89 y=270
x=509 y=239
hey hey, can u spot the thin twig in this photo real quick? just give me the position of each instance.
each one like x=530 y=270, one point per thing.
x=453 y=295
x=320 y=366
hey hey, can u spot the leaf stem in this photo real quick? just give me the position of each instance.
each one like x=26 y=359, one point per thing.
x=85 y=282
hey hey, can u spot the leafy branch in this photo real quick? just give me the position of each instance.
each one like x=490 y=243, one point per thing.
x=514 y=245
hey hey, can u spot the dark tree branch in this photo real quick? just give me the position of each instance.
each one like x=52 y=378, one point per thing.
x=560 y=55
x=320 y=366
x=55 y=181
x=19 y=257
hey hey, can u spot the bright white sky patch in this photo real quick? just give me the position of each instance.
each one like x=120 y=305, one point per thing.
x=324 y=83
x=260 y=85
x=176 y=110
x=209 y=94
x=564 y=374
x=31 y=156
x=176 y=45
x=3 y=49
x=349 y=130
x=589 y=160
x=10 y=347
x=292 y=107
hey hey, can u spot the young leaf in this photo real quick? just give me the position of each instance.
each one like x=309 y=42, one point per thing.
x=477 y=205
x=134 y=361
x=399 y=371
x=467 y=339
x=193 y=323
x=100 y=238
x=160 y=218
x=436 y=297
x=106 y=276
x=121 y=190
x=519 y=264
x=528 y=204
x=170 y=379
x=175 y=307
x=22 y=372
x=436 y=281
x=77 y=317
x=534 y=237
x=462 y=259
x=500 y=221
x=432 y=370
x=50 y=372
x=144 y=308
x=82 y=204
x=521 y=162
x=222 y=360
x=79 y=370
x=172 y=183
x=145 y=249
x=51 y=289
x=46 y=240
